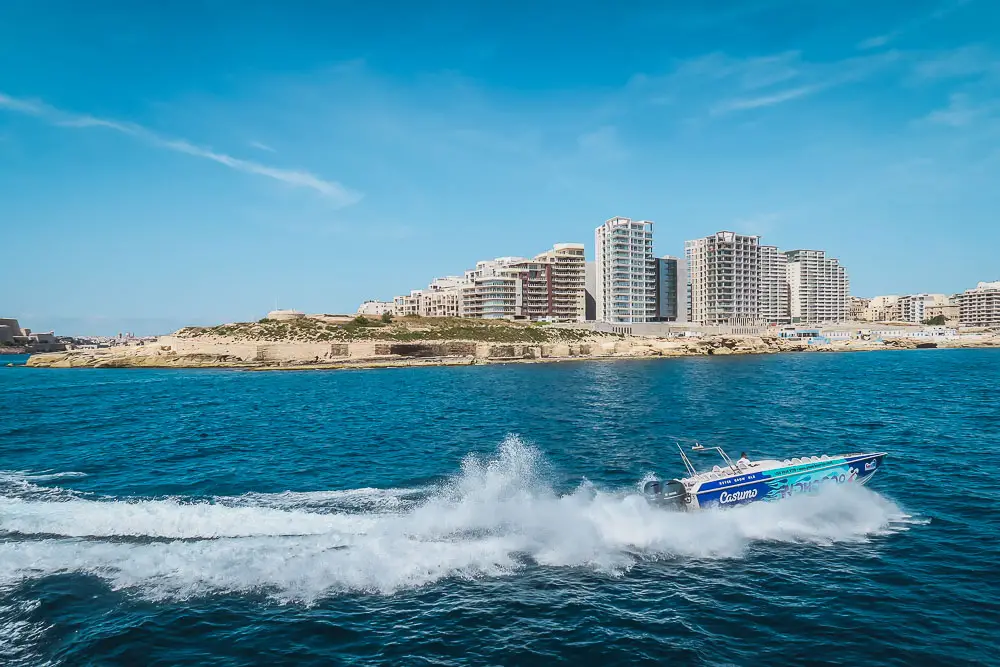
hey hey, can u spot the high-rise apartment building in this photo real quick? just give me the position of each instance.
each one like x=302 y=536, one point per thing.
x=536 y=279
x=492 y=291
x=626 y=271
x=980 y=307
x=441 y=297
x=774 y=293
x=552 y=286
x=818 y=287
x=724 y=271
x=671 y=289
x=567 y=282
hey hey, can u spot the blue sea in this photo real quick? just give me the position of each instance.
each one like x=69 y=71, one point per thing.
x=491 y=516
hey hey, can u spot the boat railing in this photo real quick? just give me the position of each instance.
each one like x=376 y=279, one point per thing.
x=698 y=447
x=687 y=462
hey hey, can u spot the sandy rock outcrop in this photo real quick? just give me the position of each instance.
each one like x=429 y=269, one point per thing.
x=221 y=352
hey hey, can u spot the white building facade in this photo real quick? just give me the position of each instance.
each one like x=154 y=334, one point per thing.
x=550 y=287
x=818 y=287
x=407 y=304
x=724 y=274
x=774 y=294
x=980 y=307
x=376 y=308
x=441 y=297
x=912 y=308
x=625 y=271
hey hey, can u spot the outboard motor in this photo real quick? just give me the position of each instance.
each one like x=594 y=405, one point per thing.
x=671 y=494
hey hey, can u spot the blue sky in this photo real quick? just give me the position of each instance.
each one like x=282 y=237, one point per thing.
x=171 y=163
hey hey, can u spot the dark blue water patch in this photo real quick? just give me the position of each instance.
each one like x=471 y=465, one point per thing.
x=13 y=360
x=487 y=515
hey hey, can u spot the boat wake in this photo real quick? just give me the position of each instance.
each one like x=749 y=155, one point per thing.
x=496 y=517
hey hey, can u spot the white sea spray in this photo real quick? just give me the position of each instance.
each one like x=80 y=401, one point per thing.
x=498 y=516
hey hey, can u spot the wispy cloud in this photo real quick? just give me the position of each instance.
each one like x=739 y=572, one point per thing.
x=962 y=111
x=22 y=106
x=967 y=61
x=722 y=84
x=878 y=40
x=337 y=193
x=746 y=73
x=780 y=97
x=941 y=12
x=262 y=147
x=812 y=78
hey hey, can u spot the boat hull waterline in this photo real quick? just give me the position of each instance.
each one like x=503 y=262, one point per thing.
x=763 y=481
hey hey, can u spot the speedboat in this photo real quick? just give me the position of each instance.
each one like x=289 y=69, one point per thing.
x=745 y=481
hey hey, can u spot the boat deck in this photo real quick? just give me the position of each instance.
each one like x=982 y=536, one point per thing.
x=720 y=472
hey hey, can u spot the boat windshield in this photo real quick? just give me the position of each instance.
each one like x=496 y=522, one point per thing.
x=728 y=464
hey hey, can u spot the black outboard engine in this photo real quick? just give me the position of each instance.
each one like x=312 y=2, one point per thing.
x=670 y=494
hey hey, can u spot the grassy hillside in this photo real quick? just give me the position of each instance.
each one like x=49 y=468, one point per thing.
x=318 y=329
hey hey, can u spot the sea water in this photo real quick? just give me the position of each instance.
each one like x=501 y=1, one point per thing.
x=491 y=515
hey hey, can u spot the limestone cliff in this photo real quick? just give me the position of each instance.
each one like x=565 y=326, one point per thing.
x=324 y=342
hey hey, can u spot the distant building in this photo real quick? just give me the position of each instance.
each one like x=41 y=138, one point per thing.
x=407 y=304
x=951 y=311
x=818 y=287
x=375 y=308
x=883 y=309
x=590 y=312
x=491 y=291
x=671 y=289
x=724 y=273
x=626 y=271
x=441 y=297
x=774 y=294
x=551 y=287
x=857 y=308
x=980 y=306
x=12 y=335
x=566 y=282
x=9 y=329
x=912 y=308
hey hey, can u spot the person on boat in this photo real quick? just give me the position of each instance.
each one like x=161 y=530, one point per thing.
x=743 y=462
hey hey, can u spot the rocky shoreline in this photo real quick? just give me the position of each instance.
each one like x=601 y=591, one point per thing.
x=221 y=352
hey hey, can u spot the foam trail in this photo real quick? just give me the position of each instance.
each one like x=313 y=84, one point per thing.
x=22 y=484
x=165 y=519
x=498 y=516
x=370 y=499
x=46 y=476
